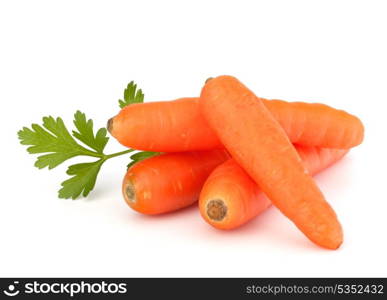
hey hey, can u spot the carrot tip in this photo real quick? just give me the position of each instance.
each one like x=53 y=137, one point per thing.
x=208 y=79
x=109 y=125
x=130 y=194
x=216 y=210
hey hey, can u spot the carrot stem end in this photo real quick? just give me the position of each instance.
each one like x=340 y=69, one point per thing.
x=216 y=210
x=130 y=193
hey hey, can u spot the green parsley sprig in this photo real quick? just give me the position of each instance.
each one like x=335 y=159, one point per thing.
x=57 y=144
x=131 y=95
x=139 y=156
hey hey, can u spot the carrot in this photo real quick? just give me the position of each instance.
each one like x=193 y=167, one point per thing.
x=173 y=126
x=176 y=126
x=140 y=180
x=316 y=124
x=260 y=146
x=170 y=181
x=230 y=198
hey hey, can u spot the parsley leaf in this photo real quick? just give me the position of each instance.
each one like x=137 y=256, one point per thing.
x=131 y=95
x=139 y=156
x=85 y=133
x=53 y=139
x=83 y=181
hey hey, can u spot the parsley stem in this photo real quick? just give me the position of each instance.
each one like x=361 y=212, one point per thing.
x=91 y=153
x=117 y=154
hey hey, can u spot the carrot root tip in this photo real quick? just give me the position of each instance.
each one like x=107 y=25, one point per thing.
x=109 y=125
x=216 y=210
x=208 y=79
x=130 y=193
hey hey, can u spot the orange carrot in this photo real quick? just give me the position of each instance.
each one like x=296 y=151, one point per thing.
x=170 y=181
x=175 y=126
x=230 y=198
x=261 y=147
x=316 y=124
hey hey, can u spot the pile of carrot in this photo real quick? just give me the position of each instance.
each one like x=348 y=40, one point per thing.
x=237 y=154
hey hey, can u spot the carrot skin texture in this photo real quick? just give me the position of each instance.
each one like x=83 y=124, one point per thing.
x=168 y=126
x=242 y=196
x=177 y=126
x=317 y=124
x=169 y=181
x=258 y=143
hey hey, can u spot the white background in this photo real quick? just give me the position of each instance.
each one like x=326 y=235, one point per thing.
x=60 y=56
